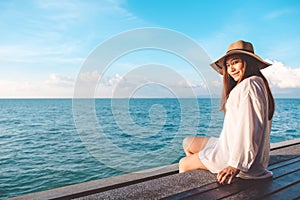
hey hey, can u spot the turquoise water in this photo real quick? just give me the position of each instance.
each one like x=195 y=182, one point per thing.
x=41 y=148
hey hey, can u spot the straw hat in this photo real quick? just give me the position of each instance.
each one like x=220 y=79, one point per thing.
x=240 y=47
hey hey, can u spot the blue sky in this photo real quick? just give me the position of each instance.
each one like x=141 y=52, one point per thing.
x=43 y=44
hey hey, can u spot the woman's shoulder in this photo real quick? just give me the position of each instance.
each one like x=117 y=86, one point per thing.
x=252 y=81
x=253 y=85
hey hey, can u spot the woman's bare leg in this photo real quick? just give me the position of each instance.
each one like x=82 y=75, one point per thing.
x=192 y=145
x=191 y=162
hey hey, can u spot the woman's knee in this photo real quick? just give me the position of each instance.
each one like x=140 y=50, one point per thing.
x=187 y=142
x=182 y=165
x=189 y=163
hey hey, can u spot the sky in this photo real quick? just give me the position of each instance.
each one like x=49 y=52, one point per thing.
x=45 y=44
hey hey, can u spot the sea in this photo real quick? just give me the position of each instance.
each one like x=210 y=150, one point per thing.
x=50 y=143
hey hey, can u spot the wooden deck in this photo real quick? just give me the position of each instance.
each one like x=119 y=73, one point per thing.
x=284 y=185
x=167 y=183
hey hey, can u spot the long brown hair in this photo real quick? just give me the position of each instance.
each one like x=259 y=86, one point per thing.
x=251 y=70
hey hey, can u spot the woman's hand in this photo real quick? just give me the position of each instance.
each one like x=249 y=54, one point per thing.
x=227 y=173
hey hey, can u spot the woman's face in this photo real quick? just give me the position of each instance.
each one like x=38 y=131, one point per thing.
x=236 y=67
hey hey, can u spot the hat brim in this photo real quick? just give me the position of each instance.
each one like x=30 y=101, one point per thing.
x=219 y=64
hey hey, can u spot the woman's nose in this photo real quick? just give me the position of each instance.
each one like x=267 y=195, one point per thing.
x=231 y=68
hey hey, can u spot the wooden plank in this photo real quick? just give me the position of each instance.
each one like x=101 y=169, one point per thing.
x=261 y=190
x=215 y=190
x=283 y=163
x=292 y=192
x=284 y=144
x=225 y=190
x=285 y=153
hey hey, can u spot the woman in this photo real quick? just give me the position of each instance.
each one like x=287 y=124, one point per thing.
x=244 y=144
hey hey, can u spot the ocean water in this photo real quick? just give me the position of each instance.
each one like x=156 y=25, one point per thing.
x=43 y=147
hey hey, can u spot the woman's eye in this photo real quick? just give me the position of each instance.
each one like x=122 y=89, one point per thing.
x=235 y=62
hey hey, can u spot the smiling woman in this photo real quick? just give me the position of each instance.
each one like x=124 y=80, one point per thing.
x=244 y=144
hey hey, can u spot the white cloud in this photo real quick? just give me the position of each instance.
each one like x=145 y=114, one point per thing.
x=89 y=76
x=143 y=86
x=55 y=86
x=58 y=80
x=112 y=81
x=281 y=76
x=191 y=84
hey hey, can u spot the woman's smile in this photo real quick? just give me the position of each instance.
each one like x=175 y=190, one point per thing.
x=235 y=75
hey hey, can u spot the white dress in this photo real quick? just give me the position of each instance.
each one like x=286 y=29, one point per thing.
x=244 y=142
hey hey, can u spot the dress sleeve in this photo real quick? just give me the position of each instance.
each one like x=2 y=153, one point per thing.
x=247 y=132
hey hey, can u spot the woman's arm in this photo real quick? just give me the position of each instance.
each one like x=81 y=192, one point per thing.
x=247 y=129
x=246 y=132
